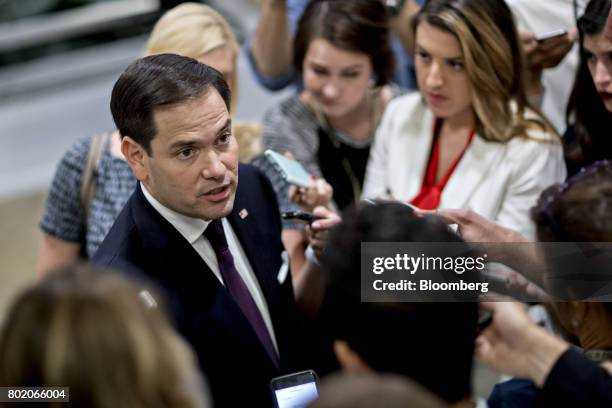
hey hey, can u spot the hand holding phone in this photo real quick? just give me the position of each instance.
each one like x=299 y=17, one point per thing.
x=300 y=216
x=319 y=193
x=290 y=170
x=546 y=50
x=550 y=35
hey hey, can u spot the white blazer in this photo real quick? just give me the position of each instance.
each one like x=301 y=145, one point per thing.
x=500 y=181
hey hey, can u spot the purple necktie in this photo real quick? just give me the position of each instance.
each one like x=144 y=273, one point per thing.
x=236 y=286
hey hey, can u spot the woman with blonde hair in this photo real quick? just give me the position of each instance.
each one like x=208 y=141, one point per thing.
x=93 y=181
x=197 y=31
x=470 y=138
x=105 y=338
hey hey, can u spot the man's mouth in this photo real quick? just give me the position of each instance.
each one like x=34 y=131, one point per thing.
x=216 y=190
x=218 y=194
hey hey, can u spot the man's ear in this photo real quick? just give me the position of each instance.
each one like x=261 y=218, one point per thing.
x=349 y=360
x=136 y=157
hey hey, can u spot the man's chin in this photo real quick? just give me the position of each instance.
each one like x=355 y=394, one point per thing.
x=218 y=210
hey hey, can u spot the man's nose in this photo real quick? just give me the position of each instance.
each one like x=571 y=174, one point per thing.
x=213 y=167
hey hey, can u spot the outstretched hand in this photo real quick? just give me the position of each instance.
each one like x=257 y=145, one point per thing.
x=319 y=230
x=473 y=227
x=515 y=345
x=318 y=194
x=545 y=54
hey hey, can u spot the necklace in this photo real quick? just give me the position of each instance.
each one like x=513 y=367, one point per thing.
x=373 y=99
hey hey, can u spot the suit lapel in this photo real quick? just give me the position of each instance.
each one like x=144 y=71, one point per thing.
x=263 y=258
x=178 y=266
x=422 y=137
x=252 y=244
x=475 y=165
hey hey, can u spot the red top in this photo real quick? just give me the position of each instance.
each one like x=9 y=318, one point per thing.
x=429 y=196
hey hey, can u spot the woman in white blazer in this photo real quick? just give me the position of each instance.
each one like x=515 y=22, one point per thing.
x=469 y=139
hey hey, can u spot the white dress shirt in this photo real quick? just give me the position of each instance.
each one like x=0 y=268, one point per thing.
x=192 y=229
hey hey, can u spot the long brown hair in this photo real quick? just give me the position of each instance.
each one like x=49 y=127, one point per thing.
x=494 y=63
x=356 y=25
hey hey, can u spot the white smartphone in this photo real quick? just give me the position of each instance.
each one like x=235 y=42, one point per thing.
x=413 y=207
x=551 y=35
x=291 y=170
x=295 y=390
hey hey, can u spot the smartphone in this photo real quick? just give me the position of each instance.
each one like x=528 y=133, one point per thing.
x=300 y=216
x=551 y=35
x=412 y=207
x=291 y=170
x=295 y=390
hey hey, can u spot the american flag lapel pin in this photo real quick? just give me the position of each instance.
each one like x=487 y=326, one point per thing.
x=243 y=213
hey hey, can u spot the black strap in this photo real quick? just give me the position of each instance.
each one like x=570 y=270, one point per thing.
x=342 y=166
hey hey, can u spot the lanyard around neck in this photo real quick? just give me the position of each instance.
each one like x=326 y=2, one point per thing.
x=331 y=133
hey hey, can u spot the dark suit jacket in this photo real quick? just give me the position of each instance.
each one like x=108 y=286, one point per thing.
x=576 y=381
x=230 y=354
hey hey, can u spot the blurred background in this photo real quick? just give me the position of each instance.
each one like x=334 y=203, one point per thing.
x=58 y=62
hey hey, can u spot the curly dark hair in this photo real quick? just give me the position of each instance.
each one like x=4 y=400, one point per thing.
x=578 y=212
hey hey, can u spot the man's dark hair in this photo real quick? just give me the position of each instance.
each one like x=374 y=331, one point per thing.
x=432 y=343
x=159 y=82
x=357 y=25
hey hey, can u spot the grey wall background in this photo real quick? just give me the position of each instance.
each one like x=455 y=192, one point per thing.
x=47 y=104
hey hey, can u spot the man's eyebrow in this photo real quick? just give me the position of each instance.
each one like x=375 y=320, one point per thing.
x=226 y=127
x=193 y=142
x=182 y=143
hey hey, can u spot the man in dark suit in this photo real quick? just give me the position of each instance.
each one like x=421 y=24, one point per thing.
x=213 y=248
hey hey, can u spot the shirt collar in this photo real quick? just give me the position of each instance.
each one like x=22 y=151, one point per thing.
x=190 y=228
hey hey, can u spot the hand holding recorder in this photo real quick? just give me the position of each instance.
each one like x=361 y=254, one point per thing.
x=305 y=190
